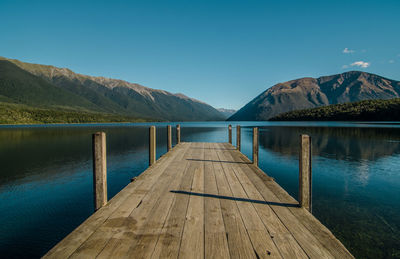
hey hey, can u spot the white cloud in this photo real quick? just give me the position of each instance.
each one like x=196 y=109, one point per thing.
x=345 y=66
x=391 y=61
x=348 y=51
x=360 y=64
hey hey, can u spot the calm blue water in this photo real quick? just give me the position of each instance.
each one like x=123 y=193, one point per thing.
x=46 y=176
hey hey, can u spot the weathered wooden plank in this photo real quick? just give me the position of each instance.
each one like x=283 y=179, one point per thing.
x=318 y=230
x=151 y=231
x=259 y=235
x=192 y=245
x=236 y=234
x=114 y=228
x=130 y=233
x=215 y=239
x=312 y=247
x=284 y=241
x=170 y=238
x=75 y=239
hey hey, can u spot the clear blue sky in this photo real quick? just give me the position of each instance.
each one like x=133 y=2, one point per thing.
x=222 y=52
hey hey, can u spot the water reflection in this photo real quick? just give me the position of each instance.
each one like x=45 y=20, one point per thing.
x=336 y=143
x=46 y=178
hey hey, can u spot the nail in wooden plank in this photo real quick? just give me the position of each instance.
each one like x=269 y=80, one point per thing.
x=99 y=169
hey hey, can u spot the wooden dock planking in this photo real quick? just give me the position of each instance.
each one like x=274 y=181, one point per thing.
x=260 y=238
x=110 y=236
x=169 y=241
x=148 y=235
x=238 y=240
x=192 y=242
x=307 y=241
x=216 y=243
x=284 y=241
x=201 y=200
x=133 y=232
x=326 y=238
x=75 y=239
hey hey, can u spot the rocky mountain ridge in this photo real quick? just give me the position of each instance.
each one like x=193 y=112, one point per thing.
x=310 y=92
x=118 y=96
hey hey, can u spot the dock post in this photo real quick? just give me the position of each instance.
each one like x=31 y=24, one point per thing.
x=230 y=134
x=152 y=145
x=99 y=169
x=255 y=146
x=238 y=137
x=178 y=134
x=305 y=180
x=169 y=138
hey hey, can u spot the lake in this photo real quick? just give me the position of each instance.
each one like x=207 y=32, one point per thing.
x=46 y=176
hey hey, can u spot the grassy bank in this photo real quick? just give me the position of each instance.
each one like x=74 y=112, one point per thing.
x=22 y=114
x=368 y=110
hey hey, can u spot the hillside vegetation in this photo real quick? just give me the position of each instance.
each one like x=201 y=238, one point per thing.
x=42 y=86
x=368 y=110
x=23 y=114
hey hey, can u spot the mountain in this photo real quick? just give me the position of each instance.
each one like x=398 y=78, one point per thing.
x=20 y=86
x=226 y=112
x=367 y=110
x=49 y=86
x=307 y=93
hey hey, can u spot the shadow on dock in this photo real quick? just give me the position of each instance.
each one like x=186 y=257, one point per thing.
x=217 y=161
x=235 y=198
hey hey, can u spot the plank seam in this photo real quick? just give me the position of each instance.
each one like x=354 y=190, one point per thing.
x=271 y=209
x=241 y=217
x=219 y=200
x=245 y=159
x=153 y=166
x=184 y=223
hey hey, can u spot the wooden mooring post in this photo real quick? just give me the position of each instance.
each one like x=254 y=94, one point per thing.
x=305 y=175
x=178 y=134
x=99 y=169
x=255 y=146
x=152 y=145
x=169 y=138
x=238 y=137
x=230 y=134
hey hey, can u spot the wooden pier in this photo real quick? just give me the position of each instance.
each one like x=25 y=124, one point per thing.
x=201 y=200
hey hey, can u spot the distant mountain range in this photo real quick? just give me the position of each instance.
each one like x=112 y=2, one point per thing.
x=307 y=93
x=43 y=86
x=226 y=112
